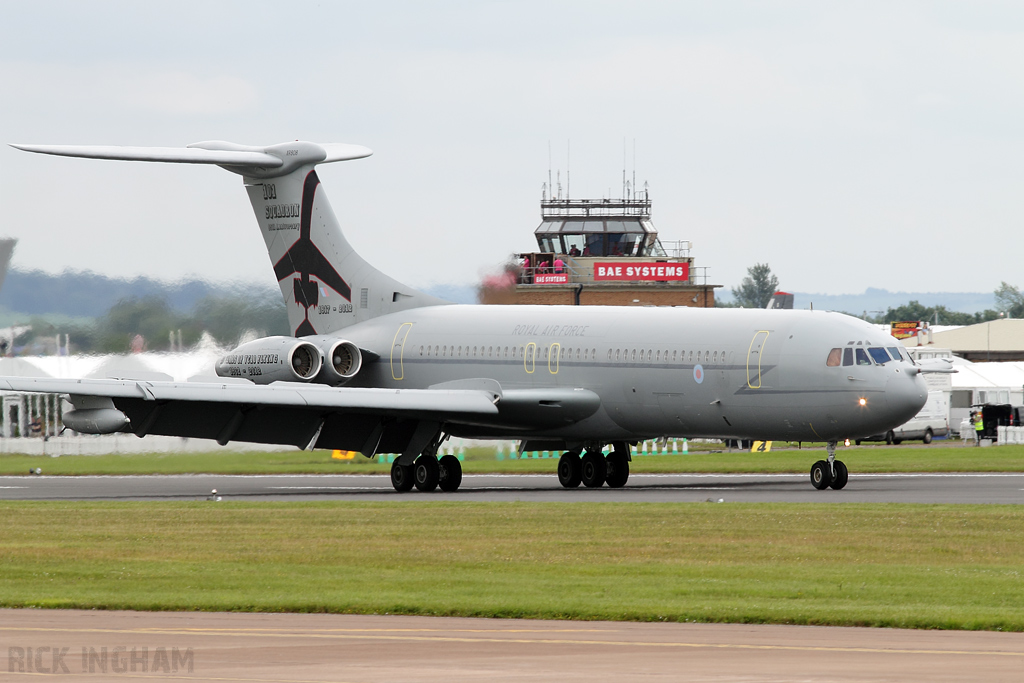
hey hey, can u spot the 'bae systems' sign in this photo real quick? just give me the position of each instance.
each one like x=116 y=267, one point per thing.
x=641 y=271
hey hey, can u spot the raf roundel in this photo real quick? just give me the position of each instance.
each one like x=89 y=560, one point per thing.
x=698 y=374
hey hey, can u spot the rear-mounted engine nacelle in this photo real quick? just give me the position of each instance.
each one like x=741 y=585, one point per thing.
x=273 y=359
x=342 y=360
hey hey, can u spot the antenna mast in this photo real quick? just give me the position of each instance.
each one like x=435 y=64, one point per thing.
x=567 y=166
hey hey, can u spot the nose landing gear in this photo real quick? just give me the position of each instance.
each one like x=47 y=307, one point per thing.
x=831 y=472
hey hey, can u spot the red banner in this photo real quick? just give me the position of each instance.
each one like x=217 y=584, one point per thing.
x=551 y=279
x=904 y=329
x=611 y=270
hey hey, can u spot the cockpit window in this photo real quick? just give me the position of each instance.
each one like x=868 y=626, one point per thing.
x=879 y=354
x=834 y=358
x=894 y=351
x=847 y=356
x=862 y=357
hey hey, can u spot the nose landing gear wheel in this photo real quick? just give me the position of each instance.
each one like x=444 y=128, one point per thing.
x=594 y=469
x=401 y=477
x=842 y=475
x=570 y=469
x=426 y=472
x=821 y=476
x=450 y=474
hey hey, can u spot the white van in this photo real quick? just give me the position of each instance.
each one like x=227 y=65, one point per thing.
x=933 y=420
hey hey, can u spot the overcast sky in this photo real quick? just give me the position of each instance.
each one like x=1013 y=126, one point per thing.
x=846 y=144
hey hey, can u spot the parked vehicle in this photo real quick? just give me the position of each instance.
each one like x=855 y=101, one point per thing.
x=932 y=421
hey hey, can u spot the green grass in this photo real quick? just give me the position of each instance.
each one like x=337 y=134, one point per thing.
x=947 y=457
x=849 y=564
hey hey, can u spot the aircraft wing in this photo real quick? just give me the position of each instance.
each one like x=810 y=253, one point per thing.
x=369 y=420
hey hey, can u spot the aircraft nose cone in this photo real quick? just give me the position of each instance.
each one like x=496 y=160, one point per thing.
x=905 y=395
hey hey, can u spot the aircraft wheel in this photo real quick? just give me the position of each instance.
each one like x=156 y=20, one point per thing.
x=890 y=438
x=401 y=477
x=570 y=469
x=451 y=473
x=618 y=469
x=927 y=436
x=842 y=475
x=595 y=468
x=426 y=472
x=821 y=477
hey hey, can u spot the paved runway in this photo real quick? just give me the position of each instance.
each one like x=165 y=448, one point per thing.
x=127 y=646
x=897 y=488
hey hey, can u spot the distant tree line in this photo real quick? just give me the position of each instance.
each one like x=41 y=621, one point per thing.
x=1009 y=303
x=225 y=318
x=756 y=289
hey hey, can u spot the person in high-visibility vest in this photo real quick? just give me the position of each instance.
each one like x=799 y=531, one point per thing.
x=979 y=427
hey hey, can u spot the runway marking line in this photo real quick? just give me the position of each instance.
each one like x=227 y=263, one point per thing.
x=519 y=641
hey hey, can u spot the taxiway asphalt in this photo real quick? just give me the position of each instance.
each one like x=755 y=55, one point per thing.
x=1005 y=488
x=127 y=646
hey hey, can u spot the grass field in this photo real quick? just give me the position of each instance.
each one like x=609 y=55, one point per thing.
x=908 y=458
x=878 y=565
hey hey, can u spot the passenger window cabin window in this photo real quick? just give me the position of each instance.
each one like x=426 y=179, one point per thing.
x=879 y=355
x=847 y=356
x=835 y=357
x=707 y=356
x=862 y=357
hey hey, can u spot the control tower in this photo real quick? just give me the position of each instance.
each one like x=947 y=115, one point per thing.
x=601 y=252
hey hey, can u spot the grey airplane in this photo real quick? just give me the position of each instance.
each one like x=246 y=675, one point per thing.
x=377 y=367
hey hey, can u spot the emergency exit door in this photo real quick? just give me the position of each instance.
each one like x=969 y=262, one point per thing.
x=754 y=359
x=398 y=351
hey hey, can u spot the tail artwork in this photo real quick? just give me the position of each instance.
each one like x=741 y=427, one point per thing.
x=326 y=285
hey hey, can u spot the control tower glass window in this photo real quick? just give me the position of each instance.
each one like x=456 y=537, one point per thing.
x=623 y=244
x=574 y=244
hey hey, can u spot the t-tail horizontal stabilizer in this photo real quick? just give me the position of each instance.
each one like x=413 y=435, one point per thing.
x=259 y=162
x=326 y=285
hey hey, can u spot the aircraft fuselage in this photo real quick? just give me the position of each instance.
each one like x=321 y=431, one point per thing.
x=737 y=373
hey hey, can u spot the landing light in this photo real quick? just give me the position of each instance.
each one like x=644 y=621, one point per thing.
x=846 y=443
x=863 y=401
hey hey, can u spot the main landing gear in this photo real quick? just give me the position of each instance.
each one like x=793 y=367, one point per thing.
x=831 y=472
x=428 y=472
x=594 y=468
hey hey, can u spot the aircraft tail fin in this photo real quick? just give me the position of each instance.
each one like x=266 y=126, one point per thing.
x=326 y=285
